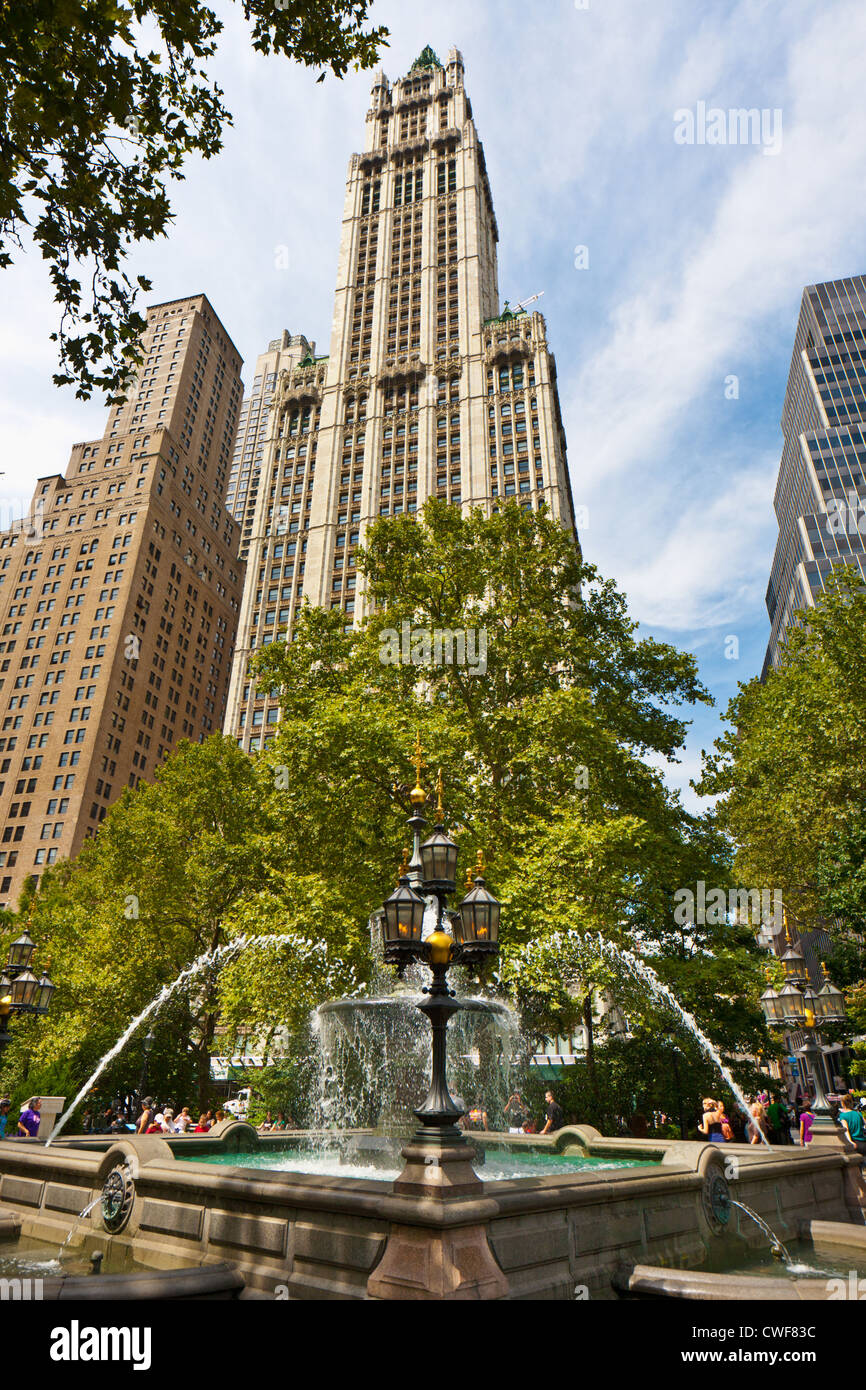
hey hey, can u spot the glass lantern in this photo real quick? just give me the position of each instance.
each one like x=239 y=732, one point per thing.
x=439 y=862
x=403 y=917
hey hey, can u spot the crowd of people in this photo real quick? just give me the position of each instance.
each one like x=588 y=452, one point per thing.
x=773 y=1119
x=283 y=1121
x=147 y=1117
x=28 y=1120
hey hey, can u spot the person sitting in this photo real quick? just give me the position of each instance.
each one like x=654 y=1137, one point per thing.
x=280 y=1122
x=184 y=1121
x=202 y=1127
x=477 y=1117
x=158 y=1125
x=267 y=1124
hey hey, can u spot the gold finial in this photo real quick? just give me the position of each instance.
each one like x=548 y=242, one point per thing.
x=440 y=809
x=826 y=969
x=418 y=795
x=469 y=885
x=479 y=864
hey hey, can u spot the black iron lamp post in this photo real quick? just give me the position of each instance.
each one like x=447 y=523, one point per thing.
x=20 y=990
x=147 y=1047
x=417 y=925
x=797 y=1007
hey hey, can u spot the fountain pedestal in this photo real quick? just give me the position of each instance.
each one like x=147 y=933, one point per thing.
x=438 y=1170
x=449 y=1258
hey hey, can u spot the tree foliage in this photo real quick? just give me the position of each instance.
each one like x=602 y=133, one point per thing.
x=544 y=749
x=544 y=754
x=101 y=104
x=792 y=778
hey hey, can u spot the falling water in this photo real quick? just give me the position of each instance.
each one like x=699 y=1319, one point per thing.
x=660 y=990
x=220 y=955
x=777 y=1249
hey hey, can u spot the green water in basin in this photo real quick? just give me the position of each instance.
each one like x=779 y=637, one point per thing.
x=39 y=1259
x=385 y=1164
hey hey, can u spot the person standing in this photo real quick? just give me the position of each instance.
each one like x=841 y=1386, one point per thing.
x=146 y=1116
x=852 y=1119
x=555 y=1114
x=759 y=1128
x=4 y=1116
x=774 y=1121
x=807 y=1119
x=711 y=1123
x=516 y=1112
x=29 y=1119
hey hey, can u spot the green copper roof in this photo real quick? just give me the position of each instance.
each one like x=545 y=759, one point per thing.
x=427 y=59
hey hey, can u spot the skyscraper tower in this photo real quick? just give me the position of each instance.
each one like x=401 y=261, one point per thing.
x=119 y=598
x=820 y=497
x=429 y=390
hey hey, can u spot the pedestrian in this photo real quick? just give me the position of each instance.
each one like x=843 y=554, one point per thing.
x=711 y=1123
x=29 y=1119
x=852 y=1119
x=4 y=1116
x=516 y=1113
x=807 y=1119
x=477 y=1117
x=758 y=1126
x=146 y=1115
x=773 y=1113
x=555 y=1114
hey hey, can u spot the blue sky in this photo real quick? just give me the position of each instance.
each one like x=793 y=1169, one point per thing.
x=697 y=258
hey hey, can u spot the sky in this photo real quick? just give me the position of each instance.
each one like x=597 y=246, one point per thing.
x=672 y=267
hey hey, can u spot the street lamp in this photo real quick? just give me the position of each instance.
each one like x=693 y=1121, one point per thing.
x=20 y=990
x=417 y=925
x=803 y=1009
x=147 y=1046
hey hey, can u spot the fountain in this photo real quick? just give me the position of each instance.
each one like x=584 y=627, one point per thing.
x=333 y=1214
x=218 y=956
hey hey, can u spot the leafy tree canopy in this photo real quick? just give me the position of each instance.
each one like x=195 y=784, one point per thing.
x=101 y=103
x=792 y=778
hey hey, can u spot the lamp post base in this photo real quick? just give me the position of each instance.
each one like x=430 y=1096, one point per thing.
x=438 y=1170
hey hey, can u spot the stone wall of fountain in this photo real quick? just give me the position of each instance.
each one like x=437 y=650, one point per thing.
x=303 y=1236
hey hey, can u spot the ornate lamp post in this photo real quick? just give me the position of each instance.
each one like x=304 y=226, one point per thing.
x=797 y=1007
x=417 y=925
x=147 y=1048
x=20 y=990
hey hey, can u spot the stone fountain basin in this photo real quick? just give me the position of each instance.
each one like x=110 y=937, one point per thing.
x=310 y=1237
x=837 y=1245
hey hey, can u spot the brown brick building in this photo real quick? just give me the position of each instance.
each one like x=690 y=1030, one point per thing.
x=119 y=598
